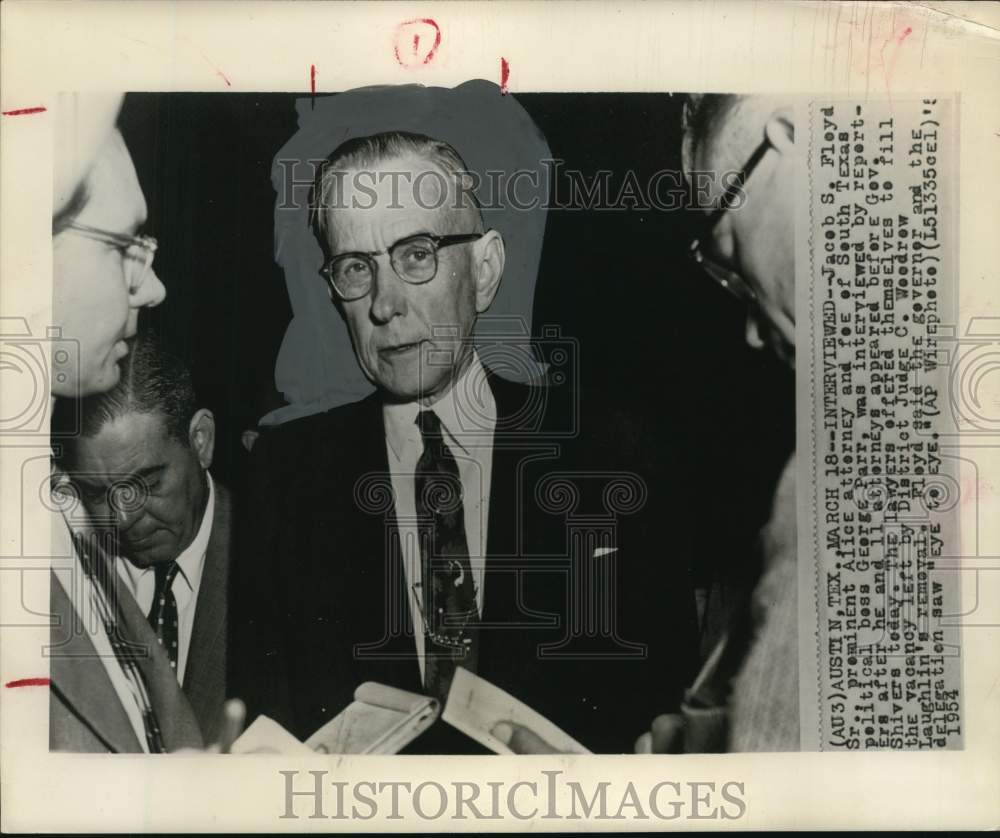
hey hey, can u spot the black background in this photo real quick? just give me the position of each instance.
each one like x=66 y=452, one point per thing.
x=653 y=334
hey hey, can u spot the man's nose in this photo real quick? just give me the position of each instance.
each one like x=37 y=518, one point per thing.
x=388 y=295
x=753 y=331
x=150 y=293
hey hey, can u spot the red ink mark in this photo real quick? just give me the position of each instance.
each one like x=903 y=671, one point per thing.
x=218 y=71
x=906 y=33
x=414 y=31
x=504 y=75
x=312 y=79
x=29 y=682
x=23 y=111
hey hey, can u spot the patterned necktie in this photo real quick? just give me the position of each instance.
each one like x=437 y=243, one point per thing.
x=163 y=614
x=448 y=592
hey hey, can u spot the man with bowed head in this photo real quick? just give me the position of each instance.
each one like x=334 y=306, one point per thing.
x=140 y=464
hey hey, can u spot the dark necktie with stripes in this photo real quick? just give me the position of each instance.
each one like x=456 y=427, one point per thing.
x=448 y=592
x=163 y=614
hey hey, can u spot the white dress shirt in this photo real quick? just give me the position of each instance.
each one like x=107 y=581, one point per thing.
x=468 y=415
x=141 y=582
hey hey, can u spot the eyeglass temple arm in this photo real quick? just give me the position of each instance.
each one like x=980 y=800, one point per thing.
x=734 y=191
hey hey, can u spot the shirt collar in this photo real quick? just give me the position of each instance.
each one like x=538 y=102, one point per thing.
x=467 y=411
x=191 y=561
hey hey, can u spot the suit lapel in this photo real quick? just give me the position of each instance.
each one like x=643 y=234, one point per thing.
x=515 y=444
x=173 y=711
x=205 y=672
x=514 y=597
x=177 y=722
x=80 y=678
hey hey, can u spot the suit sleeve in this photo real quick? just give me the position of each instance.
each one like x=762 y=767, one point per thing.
x=258 y=658
x=656 y=594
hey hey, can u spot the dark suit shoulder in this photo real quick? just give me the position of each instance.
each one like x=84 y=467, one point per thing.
x=329 y=432
x=538 y=409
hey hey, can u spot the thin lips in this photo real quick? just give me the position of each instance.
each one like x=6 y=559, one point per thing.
x=396 y=347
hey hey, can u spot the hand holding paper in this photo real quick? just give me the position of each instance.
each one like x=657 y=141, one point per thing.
x=500 y=722
x=380 y=720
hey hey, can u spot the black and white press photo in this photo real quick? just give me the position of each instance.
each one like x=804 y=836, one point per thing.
x=417 y=427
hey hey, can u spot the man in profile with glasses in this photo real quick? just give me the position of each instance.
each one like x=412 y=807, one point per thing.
x=746 y=696
x=112 y=686
x=391 y=534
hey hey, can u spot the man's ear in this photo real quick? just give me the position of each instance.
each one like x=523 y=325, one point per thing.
x=201 y=436
x=489 y=261
x=780 y=130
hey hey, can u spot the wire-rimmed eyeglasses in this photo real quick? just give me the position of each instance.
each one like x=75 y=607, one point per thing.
x=138 y=252
x=413 y=258
x=729 y=279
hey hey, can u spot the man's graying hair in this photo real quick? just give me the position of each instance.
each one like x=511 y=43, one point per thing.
x=367 y=152
x=152 y=381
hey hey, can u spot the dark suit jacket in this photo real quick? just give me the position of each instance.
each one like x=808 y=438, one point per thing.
x=85 y=714
x=205 y=673
x=324 y=607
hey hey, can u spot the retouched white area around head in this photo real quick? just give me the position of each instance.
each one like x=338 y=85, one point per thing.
x=377 y=206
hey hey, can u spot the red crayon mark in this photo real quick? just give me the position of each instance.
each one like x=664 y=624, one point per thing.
x=28 y=682
x=906 y=33
x=312 y=79
x=504 y=75
x=412 y=33
x=22 y=111
x=218 y=71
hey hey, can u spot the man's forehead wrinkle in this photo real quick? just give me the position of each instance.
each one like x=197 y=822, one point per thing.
x=396 y=212
x=103 y=457
x=397 y=180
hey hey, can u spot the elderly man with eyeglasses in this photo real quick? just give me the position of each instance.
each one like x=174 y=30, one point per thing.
x=401 y=537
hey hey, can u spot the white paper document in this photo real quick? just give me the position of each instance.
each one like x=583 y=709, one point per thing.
x=474 y=706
